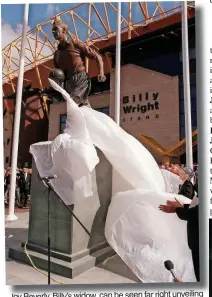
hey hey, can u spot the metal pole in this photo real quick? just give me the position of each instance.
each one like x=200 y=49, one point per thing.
x=186 y=87
x=76 y=218
x=49 y=240
x=117 y=80
x=118 y=65
x=11 y=145
x=11 y=216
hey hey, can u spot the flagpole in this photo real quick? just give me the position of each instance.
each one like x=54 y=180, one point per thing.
x=118 y=65
x=117 y=100
x=11 y=215
x=186 y=87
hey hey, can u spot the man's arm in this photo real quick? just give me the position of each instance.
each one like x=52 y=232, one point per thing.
x=182 y=213
x=193 y=213
x=91 y=54
x=101 y=76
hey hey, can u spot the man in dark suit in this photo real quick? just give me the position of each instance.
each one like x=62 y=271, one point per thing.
x=17 y=188
x=25 y=186
x=191 y=215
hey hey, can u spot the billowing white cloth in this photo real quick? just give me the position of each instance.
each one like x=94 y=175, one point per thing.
x=145 y=237
x=172 y=181
x=142 y=236
x=41 y=153
x=72 y=161
x=70 y=156
x=127 y=155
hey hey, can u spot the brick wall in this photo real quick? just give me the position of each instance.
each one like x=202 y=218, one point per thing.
x=161 y=124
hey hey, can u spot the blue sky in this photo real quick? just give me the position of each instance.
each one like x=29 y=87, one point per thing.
x=12 y=15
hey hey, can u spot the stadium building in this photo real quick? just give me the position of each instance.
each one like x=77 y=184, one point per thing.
x=152 y=100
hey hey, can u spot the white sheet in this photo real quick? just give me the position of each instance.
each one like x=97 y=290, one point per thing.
x=172 y=181
x=143 y=236
x=127 y=155
x=70 y=156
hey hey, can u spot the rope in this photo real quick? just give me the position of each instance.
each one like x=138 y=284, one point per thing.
x=58 y=282
x=33 y=265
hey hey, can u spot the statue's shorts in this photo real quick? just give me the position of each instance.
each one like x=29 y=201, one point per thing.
x=78 y=85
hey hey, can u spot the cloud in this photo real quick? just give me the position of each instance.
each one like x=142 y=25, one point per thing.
x=52 y=10
x=10 y=34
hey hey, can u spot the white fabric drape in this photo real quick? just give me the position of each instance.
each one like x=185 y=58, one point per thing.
x=142 y=236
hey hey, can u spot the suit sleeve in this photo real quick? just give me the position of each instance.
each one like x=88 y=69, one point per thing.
x=183 y=213
x=194 y=213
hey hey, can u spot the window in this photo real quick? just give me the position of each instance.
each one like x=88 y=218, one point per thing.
x=8 y=141
x=62 y=122
x=7 y=160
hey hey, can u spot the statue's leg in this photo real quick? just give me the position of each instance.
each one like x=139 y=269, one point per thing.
x=78 y=86
x=85 y=93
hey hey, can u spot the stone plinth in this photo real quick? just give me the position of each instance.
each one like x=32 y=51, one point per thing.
x=72 y=250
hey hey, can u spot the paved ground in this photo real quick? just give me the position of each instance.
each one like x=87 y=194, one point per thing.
x=17 y=209
x=114 y=271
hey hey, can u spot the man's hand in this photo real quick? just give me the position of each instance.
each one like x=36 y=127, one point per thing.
x=171 y=206
x=175 y=203
x=167 y=208
x=101 y=77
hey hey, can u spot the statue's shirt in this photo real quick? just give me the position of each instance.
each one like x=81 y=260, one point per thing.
x=70 y=57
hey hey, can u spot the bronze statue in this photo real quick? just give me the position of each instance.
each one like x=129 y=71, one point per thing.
x=69 y=60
